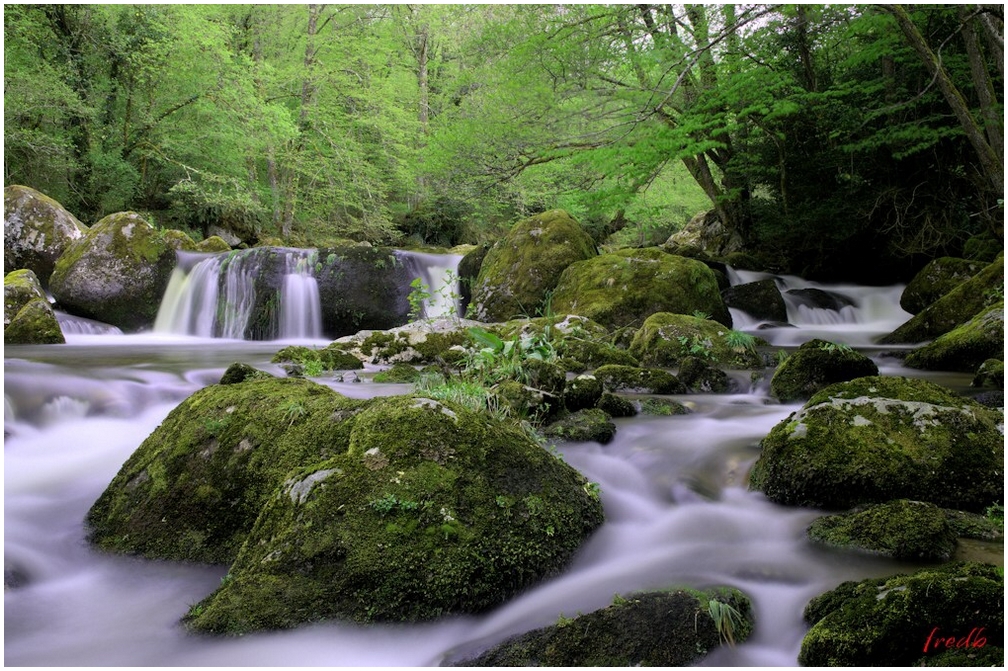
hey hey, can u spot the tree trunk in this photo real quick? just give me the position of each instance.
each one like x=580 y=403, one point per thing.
x=991 y=163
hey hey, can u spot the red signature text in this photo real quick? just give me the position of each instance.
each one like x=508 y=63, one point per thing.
x=937 y=641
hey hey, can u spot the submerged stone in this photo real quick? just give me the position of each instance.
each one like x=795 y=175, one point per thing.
x=901 y=529
x=639 y=380
x=874 y=439
x=670 y=629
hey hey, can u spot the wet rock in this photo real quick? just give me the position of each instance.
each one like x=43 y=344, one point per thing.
x=908 y=620
x=761 y=300
x=583 y=426
x=582 y=392
x=37 y=230
x=820 y=299
x=670 y=629
x=427 y=510
x=662 y=407
x=815 y=365
x=965 y=347
x=936 y=279
x=399 y=373
x=214 y=243
x=616 y=406
x=700 y=376
x=627 y=286
x=956 y=307
x=874 y=439
x=639 y=380
x=28 y=317
x=239 y=372
x=520 y=270
x=911 y=530
x=666 y=339
x=989 y=374
x=117 y=273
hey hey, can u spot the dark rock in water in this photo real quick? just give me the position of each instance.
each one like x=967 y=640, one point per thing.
x=702 y=377
x=616 y=406
x=28 y=317
x=991 y=399
x=874 y=439
x=670 y=629
x=815 y=365
x=582 y=426
x=639 y=380
x=949 y=615
x=989 y=374
x=582 y=392
x=662 y=407
x=965 y=347
x=239 y=372
x=902 y=529
x=936 y=279
x=819 y=298
x=761 y=300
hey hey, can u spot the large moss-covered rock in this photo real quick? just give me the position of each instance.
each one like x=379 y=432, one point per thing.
x=582 y=426
x=666 y=339
x=28 y=317
x=628 y=285
x=195 y=486
x=874 y=439
x=117 y=273
x=936 y=279
x=908 y=620
x=433 y=510
x=671 y=629
x=362 y=287
x=815 y=365
x=965 y=347
x=214 y=244
x=989 y=374
x=521 y=269
x=37 y=230
x=902 y=529
x=956 y=307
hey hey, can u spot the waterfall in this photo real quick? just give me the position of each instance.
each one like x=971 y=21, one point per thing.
x=300 y=306
x=439 y=273
x=217 y=295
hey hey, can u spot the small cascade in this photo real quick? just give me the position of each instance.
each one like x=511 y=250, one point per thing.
x=300 y=306
x=439 y=273
x=839 y=311
x=74 y=325
x=219 y=295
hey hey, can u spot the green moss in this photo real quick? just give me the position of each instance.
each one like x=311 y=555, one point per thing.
x=890 y=621
x=815 y=365
x=616 y=406
x=664 y=407
x=669 y=628
x=965 y=347
x=877 y=438
x=581 y=426
x=935 y=280
x=627 y=286
x=403 y=529
x=900 y=529
x=639 y=380
x=666 y=339
x=518 y=272
x=234 y=443
x=398 y=373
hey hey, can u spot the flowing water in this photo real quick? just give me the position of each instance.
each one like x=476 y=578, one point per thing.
x=674 y=490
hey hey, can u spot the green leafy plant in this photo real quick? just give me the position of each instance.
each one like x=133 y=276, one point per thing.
x=419 y=294
x=835 y=347
x=740 y=342
x=293 y=411
x=313 y=367
x=700 y=314
x=696 y=347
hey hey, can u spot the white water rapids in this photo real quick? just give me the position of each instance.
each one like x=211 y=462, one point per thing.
x=673 y=488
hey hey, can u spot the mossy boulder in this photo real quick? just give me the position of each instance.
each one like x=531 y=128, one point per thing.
x=440 y=341
x=299 y=358
x=662 y=407
x=901 y=529
x=908 y=620
x=989 y=374
x=616 y=406
x=666 y=339
x=582 y=426
x=433 y=510
x=468 y=271
x=956 y=307
x=673 y=628
x=399 y=373
x=195 y=486
x=760 y=300
x=816 y=365
x=700 y=376
x=965 y=347
x=875 y=439
x=117 y=273
x=28 y=317
x=520 y=270
x=582 y=392
x=238 y=372
x=526 y=401
x=936 y=279
x=37 y=230
x=214 y=243
x=636 y=380
x=627 y=286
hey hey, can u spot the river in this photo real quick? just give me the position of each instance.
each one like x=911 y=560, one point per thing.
x=674 y=491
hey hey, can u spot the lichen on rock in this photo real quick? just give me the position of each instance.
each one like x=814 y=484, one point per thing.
x=37 y=230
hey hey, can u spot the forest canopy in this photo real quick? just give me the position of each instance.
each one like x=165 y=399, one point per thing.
x=810 y=131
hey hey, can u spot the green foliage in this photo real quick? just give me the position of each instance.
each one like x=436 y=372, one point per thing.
x=740 y=341
x=418 y=295
x=727 y=619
